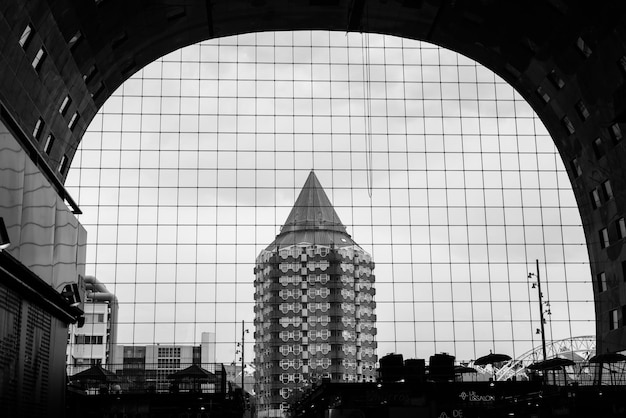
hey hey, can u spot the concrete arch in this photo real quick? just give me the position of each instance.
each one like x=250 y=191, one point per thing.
x=567 y=60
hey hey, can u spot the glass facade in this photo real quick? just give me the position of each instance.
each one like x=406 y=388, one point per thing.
x=439 y=169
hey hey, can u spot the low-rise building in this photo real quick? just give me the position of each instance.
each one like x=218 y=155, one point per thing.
x=91 y=342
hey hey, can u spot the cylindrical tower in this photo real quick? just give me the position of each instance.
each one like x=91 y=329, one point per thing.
x=314 y=305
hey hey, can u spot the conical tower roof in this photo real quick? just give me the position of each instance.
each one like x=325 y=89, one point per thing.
x=312 y=219
x=313 y=210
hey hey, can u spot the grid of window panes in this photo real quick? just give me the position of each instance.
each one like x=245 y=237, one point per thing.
x=436 y=166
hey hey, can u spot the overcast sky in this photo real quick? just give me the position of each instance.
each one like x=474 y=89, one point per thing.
x=435 y=165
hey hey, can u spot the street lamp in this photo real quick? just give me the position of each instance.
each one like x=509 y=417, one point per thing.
x=541 y=331
x=244 y=331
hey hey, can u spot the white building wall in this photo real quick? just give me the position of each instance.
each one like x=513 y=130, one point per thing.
x=207 y=350
x=82 y=350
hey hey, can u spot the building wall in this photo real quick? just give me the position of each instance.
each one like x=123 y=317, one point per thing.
x=90 y=344
x=32 y=366
x=208 y=348
x=314 y=319
x=47 y=252
x=45 y=235
x=152 y=364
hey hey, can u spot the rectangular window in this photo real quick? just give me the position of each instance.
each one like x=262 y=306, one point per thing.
x=575 y=166
x=65 y=104
x=616 y=132
x=595 y=199
x=47 y=148
x=604 y=238
x=39 y=58
x=88 y=339
x=582 y=110
x=621 y=228
x=602 y=282
x=38 y=129
x=75 y=40
x=99 y=89
x=556 y=80
x=598 y=151
x=569 y=126
x=607 y=190
x=63 y=166
x=583 y=47
x=73 y=121
x=26 y=36
x=91 y=72
x=613 y=319
x=543 y=94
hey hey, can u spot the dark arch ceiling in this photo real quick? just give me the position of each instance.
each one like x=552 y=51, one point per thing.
x=566 y=58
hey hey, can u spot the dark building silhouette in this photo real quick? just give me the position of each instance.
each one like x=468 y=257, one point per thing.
x=314 y=310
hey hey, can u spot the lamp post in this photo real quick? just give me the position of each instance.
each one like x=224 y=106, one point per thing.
x=541 y=318
x=242 y=345
x=243 y=351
